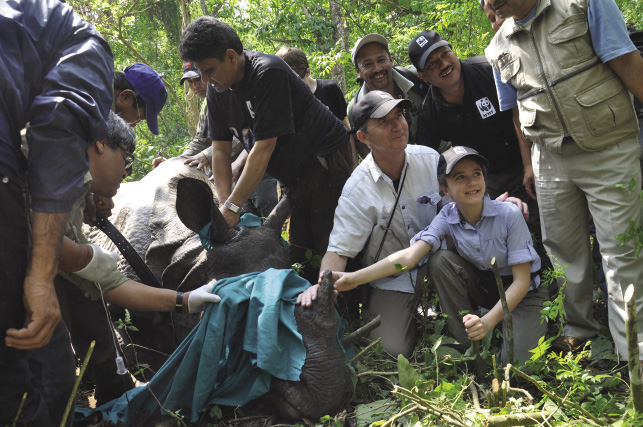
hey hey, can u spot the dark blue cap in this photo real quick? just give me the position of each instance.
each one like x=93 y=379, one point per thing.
x=148 y=84
x=189 y=71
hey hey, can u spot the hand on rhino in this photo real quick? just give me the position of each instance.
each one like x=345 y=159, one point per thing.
x=342 y=282
x=306 y=298
x=198 y=298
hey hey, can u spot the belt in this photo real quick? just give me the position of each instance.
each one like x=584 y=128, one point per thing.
x=141 y=269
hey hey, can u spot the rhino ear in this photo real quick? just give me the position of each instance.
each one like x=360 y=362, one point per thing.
x=194 y=203
x=220 y=232
x=278 y=215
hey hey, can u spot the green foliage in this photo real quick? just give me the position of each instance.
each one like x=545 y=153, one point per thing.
x=127 y=323
x=216 y=413
x=312 y=258
x=400 y=267
x=554 y=310
x=153 y=29
x=408 y=376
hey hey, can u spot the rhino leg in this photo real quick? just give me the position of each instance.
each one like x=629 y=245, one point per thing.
x=323 y=385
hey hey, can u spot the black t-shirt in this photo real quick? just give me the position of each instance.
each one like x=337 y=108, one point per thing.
x=329 y=93
x=477 y=123
x=272 y=101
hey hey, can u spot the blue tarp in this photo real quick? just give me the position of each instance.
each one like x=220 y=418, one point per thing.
x=229 y=357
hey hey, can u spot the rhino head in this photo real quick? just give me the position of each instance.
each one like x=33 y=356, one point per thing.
x=233 y=251
x=161 y=216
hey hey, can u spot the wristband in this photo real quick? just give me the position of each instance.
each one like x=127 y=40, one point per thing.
x=232 y=207
x=179 y=302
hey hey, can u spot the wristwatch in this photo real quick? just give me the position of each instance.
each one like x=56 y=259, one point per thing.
x=179 y=302
x=232 y=207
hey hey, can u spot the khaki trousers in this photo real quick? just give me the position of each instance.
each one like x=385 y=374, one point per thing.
x=456 y=282
x=570 y=185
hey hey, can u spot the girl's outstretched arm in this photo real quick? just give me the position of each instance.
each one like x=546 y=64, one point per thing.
x=477 y=327
x=408 y=257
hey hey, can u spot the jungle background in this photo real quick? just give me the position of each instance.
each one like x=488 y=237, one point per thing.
x=438 y=385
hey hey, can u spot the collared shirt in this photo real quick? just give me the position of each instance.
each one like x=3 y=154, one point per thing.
x=365 y=207
x=501 y=233
x=477 y=122
x=272 y=101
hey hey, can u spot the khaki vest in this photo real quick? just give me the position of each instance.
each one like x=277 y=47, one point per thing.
x=563 y=87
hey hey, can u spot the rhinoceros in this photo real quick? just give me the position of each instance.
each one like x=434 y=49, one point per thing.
x=161 y=216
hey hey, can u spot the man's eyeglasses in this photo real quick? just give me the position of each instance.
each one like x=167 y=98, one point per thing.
x=129 y=157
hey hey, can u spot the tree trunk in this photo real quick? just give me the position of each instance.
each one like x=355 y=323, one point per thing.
x=191 y=100
x=340 y=36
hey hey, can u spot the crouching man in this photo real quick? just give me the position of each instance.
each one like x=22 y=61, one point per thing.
x=87 y=273
x=390 y=197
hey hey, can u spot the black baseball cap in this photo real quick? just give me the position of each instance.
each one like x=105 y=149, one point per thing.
x=375 y=105
x=453 y=155
x=189 y=71
x=422 y=45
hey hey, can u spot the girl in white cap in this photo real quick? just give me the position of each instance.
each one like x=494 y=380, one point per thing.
x=481 y=229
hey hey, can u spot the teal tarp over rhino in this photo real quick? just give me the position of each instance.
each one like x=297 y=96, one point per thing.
x=229 y=357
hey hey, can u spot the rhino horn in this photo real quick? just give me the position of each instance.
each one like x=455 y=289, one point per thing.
x=278 y=215
x=220 y=231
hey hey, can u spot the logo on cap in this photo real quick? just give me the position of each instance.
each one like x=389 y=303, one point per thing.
x=458 y=149
x=187 y=65
x=421 y=41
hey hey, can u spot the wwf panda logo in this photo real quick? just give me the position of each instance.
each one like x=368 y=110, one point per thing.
x=485 y=107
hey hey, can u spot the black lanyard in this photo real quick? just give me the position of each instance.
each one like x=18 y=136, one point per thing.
x=388 y=226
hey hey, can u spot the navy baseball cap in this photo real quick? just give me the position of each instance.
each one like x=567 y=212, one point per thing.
x=189 y=71
x=422 y=45
x=453 y=155
x=375 y=105
x=148 y=84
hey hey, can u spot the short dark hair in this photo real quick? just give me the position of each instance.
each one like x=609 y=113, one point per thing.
x=295 y=58
x=442 y=178
x=207 y=37
x=121 y=83
x=120 y=134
